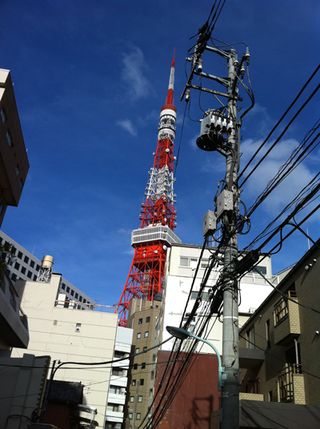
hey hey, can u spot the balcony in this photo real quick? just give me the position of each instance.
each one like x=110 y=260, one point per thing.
x=250 y=358
x=13 y=322
x=251 y=396
x=117 y=398
x=291 y=384
x=286 y=320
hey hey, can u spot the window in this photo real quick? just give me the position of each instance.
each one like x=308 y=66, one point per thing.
x=268 y=332
x=32 y=264
x=76 y=296
x=140 y=321
x=63 y=286
x=184 y=262
x=3 y=116
x=193 y=262
x=26 y=259
x=34 y=277
x=138 y=416
x=17 y=266
x=250 y=338
x=68 y=289
x=146 y=334
x=152 y=375
x=20 y=255
x=143 y=365
x=38 y=267
x=138 y=335
x=29 y=275
x=13 y=277
x=194 y=294
x=135 y=366
x=140 y=398
x=8 y=139
x=137 y=350
x=141 y=381
x=23 y=270
x=147 y=319
x=80 y=298
x=131 y=398
x=78 y=326
x=154 y=358
x=72 y=293
x=133 y=382
x=145 y=348
x=261 y=269
x=280 y=310
x=204 y=263
x=130 y=416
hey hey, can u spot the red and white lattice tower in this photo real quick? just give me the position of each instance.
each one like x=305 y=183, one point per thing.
x=155 y=235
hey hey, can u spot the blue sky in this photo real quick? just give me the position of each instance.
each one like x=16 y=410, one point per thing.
x=90 y=78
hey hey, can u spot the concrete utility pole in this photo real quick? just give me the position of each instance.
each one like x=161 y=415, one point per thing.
x=220 y=131
x=230 y=343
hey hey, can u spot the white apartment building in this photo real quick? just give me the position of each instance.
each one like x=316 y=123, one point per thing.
x=181 y=263
x=65 y=335
x=119 y=379
x=24 y=265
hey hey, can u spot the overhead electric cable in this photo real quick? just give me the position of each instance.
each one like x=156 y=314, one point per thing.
x=280 y=120
x=281 y=134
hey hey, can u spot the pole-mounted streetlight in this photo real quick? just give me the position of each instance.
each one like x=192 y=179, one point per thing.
x=183 y=334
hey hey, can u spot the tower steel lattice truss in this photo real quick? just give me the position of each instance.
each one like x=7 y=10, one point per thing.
x=157 y=217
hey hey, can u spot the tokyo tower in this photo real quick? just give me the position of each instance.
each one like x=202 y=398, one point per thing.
x=157 y=217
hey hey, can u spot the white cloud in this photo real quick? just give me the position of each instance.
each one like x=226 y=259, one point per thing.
x=128 y=126
x=133 y=73
x=258 y=121
x=289 y=188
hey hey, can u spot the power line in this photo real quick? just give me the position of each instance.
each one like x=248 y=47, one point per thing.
x=295 y=159
x=130 y=356
x=280 y=120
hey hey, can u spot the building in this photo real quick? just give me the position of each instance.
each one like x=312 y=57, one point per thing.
x=150 y=318
x=14 y=164
x=197 y=402
x=13 y=321
x=24 y=265
x=181 y=263
x=70 y=336
x=144 y=318
x=22 y=389
x=280 y=342
x=119 y=379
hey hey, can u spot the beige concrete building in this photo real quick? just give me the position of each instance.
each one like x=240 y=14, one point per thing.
x=66 y=335
x=281 y=341
x=14 y=164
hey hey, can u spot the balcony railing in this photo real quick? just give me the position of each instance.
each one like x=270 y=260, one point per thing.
x=286 y=382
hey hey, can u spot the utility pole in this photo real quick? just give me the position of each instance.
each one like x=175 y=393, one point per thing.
x=220 y=131
x=230 y=339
